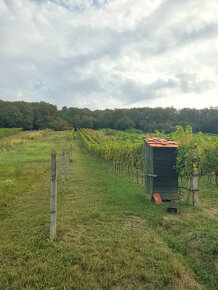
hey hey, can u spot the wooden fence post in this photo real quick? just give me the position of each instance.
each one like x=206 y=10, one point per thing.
x=68 y=162
x=195 y=189
x=71 y=149
x=53 y=195
x=189 y=191
x=63 y=168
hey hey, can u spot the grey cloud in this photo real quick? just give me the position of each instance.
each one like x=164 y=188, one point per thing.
x=86 y=65
x=75 y=5
x=153 y=91
x=132 y=91
x=87 y=85
x=190 y=83
x=184 y=37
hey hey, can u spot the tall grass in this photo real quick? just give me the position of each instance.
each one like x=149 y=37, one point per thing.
x=11 y=141
x=4 y=132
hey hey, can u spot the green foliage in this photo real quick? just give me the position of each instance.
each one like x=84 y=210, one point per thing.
x=30 y=116
x=134 y=131
x=195 y=151
x=116 y=146
x=124 y=123
x=43 y=115
x=145 y=119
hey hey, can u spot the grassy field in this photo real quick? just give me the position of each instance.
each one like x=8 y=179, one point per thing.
x=4 y=132
x=108 y=235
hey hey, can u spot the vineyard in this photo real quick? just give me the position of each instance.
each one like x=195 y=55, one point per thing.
x=196 y=152
x=108 y=236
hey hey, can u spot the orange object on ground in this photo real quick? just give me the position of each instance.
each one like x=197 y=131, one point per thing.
x=157 y=198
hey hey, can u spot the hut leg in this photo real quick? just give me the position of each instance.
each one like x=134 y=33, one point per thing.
x=189 y=191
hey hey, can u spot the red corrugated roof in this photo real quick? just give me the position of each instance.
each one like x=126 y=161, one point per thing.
x=160 y=142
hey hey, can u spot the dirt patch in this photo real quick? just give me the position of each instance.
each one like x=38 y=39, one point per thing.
x=133 y=222
x=186 y=282
x=211 y=213
x=168 y=218
x=209 y=202
x=73 y=235
x=135 y=217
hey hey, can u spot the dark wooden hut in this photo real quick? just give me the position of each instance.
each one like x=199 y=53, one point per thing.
x=160 y=160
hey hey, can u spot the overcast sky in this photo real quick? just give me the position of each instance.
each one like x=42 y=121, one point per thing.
x=110 y=53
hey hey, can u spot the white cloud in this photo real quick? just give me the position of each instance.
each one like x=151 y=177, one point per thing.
x=114 y=53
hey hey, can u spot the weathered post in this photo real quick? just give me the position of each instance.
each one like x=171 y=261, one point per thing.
x=195 y=188
x=71 y=148
x=68 y=162
x=53 y=195
x=63 y=168
x=189 y=191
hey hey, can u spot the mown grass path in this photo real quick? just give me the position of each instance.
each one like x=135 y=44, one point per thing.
x=105 y=238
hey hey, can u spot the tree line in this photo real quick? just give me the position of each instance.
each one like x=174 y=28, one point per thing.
x=145 y=119
x=30 y=116
x=40 y=115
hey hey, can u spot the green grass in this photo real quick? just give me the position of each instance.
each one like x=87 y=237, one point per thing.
x=24 y=164
x=108 y=235
x=4 y=132
x=193 y=233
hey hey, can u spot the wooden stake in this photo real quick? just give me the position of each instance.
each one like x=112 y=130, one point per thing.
x=53 y=195
x=68 y=161
x=189 y=191
x=63 y=168
x=195 y=189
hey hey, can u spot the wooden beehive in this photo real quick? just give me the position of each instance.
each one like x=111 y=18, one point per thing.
x=160 y=160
